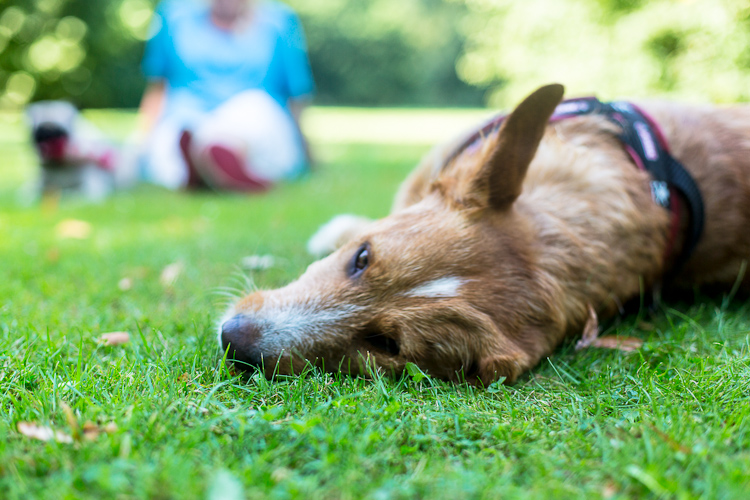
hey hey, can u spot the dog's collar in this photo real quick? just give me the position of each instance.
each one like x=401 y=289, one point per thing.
x=643 y=140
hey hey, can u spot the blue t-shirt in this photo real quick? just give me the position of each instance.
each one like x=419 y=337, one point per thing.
x=204 y=65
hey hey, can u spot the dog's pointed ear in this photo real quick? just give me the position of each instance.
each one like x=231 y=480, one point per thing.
x=498 y=182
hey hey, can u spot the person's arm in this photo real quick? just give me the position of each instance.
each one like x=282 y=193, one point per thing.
x=296 y=108
x=151 y=106
x=297 y=75
x=156 y=66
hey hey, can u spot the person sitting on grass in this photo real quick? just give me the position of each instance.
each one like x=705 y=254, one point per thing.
x=228 y=80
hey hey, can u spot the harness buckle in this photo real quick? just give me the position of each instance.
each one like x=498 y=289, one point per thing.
x=660 y=193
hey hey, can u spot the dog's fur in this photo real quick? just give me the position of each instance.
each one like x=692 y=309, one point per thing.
x=485 y=266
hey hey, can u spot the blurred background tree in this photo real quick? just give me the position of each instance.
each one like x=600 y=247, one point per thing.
x=387 y=52
x=409 y=52
x=363 y=52
x=695 y=50
x=85 y=51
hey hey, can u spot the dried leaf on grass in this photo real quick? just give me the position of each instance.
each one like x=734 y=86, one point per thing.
x=590 y=330
x=91 y=431
x=590 y=337
x=115 y=338
x=73 y=229
x=42 y=433
x=626 y=344
x=171 y=273
x=88 y=432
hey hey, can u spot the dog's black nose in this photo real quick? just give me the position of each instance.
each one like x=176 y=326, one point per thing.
x=239 y=339
x=46 y=131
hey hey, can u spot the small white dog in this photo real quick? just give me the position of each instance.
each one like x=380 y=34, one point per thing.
x=75 y=157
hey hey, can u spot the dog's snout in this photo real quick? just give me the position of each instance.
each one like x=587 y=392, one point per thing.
x=239 y=339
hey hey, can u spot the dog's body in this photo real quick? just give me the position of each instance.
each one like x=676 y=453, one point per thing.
x=75 y=158
x=488 y=263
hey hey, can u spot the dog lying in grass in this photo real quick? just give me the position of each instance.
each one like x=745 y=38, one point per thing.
x=502 y=246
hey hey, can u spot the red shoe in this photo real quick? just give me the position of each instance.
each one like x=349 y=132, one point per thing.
x=194 y=180
x=228 y=173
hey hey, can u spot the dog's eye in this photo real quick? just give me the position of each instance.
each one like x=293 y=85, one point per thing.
x=361 y=261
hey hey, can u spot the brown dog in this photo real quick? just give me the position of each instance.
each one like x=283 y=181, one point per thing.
x=488 y=262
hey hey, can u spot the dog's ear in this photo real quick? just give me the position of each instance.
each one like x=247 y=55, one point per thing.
x=498 y=182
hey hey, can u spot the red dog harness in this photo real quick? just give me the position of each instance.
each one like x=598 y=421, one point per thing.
x=645 y=143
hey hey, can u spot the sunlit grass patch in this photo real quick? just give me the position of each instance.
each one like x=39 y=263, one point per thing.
x=671 y=420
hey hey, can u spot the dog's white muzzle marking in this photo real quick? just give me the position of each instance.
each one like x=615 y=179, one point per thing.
x=286 y=326
x=442 y=288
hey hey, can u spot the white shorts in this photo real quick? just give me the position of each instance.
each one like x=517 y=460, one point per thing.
x=252 y=124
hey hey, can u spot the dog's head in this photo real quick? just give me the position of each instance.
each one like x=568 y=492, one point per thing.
x=51 y=123
x=448 y=284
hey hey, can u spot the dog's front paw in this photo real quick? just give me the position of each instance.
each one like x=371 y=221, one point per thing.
x=335 y=233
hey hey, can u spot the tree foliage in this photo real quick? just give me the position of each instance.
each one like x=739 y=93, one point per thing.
x=410 y=52
x=692 y=49
x=364 y=52
x=378 y=52
x=80 y=50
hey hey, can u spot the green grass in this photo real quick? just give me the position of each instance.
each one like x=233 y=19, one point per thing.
x=669 y=421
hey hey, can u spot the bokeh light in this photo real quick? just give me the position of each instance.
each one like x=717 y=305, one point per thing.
x=411 y=52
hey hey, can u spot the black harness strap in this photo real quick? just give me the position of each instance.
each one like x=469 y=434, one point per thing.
x=641 y=137
x=640 y=134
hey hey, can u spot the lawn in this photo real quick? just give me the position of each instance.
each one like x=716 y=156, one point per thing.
x=671 y=420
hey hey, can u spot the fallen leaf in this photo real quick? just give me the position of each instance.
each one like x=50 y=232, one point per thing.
x=115 y=338
x=259 y=262
x=91 y=431
x=42 y=433
x=73 y=229
x=125 y=284
x=590 y=337
x=170 y=274
x=627 y=344
x=590 y=330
